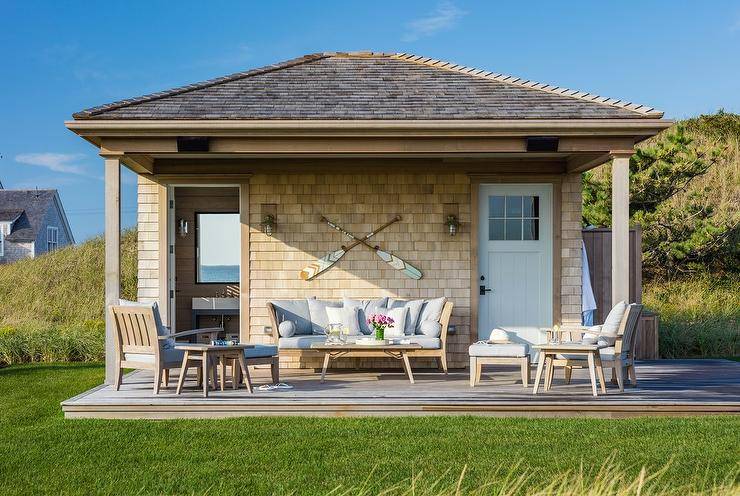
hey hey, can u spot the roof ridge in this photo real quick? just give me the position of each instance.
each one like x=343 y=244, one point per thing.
x=503 y=78
x=200 y=85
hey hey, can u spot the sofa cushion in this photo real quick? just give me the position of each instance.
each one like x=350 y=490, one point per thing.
x=498 y=350
x=346 y=316
x=162 y=330
x=286 y=329
x=426 y=342
x=317 y=312
x=367 y=308
x=414 y=307
x=295 y=311
x=299 y=342
x=399 y=316
x=431 y=328
x=169 y=355
x=261 y=351
x=431 y=310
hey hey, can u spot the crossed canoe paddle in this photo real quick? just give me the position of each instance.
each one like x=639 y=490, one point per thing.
x=331 y=258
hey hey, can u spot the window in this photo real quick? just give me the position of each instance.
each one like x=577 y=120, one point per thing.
x=2 y=240
x=52 y=238
x=513 y=218
x=217 y=247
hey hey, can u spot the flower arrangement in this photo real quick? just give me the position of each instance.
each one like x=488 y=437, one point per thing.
x=379 y=323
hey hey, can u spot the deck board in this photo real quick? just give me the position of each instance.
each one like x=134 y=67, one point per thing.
x=665 y=387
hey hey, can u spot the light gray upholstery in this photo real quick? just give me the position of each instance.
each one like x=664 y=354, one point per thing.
x=412 y=319
x=498 y=350
x=295 y=311
x=431 y=310
x=426 y=342
x=261 y=351
x=168 y=355
x=299 y=342
x=430 y=328
x=399 y=316
x=286 y=328
x=318 y=316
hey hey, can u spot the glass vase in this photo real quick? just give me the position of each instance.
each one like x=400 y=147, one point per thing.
x=380 y=334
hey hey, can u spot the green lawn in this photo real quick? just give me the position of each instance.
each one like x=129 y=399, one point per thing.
x=40 y=452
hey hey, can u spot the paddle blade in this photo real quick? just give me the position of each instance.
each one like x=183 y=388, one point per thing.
x=322 y=264
x=399 y=264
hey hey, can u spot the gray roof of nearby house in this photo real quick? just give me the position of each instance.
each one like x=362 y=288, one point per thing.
x=359 y=86
x=33 y=205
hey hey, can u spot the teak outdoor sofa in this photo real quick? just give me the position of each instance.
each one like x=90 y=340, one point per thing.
x=300 y=345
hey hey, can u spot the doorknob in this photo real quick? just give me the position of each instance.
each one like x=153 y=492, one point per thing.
x=484 y=290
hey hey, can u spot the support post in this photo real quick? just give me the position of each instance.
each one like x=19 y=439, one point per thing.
x=244 y=336
x=112 y=257
x=620 y=227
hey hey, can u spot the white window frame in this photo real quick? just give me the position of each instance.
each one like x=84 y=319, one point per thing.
x=2 y=239
x=52 y=238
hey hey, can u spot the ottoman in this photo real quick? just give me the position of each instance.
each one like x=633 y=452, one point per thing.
x=484 y=353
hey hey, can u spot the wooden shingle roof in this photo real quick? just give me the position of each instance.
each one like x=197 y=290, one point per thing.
x=366 y=86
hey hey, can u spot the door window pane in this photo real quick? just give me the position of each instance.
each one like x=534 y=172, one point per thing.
x=513 y=229
x=218 y=247
x=531 y=206
x=496 y=229
x=496 y=206
x=513 y=206
x=531 y=229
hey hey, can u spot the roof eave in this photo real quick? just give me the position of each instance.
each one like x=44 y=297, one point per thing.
x=639 y=126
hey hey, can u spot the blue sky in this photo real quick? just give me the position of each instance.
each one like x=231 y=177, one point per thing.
x=60 y=57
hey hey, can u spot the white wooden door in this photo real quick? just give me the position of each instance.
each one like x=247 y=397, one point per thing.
x=515 y=260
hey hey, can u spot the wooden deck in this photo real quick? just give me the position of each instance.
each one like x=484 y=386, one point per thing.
x=666 y=387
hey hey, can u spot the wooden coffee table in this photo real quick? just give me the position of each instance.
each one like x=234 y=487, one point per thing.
x=397 y=351
x=209 y=356
x=548 y=353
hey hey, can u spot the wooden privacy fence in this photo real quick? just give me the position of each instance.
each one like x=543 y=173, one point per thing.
x=599 y=252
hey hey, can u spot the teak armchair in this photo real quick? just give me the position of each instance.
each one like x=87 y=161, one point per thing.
x=140 y=346
x=619 y=357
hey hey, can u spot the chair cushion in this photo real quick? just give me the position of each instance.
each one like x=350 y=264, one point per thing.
x=261 y=351
x=608 y=353
x=299 y=342
x=426 y=342
x=162 y=330
x=412 y=319
x=169 y=355
x=286 y=329
x=367 y=308
x=319 y=316
x=295 y=311
x=610 y=327
x=498 y=350
x=431 y=310
x=431 y=328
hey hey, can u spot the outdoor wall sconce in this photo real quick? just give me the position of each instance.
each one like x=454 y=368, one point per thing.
x=452 y=224
x=182 y=228
x=268 y=224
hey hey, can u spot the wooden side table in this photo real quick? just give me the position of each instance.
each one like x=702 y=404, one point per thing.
x=548 y=353
x=209 y=356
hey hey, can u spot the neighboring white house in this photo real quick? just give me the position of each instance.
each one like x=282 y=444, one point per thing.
x=32 y=222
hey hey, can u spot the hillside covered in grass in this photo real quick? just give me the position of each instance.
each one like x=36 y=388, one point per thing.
x=52 y=307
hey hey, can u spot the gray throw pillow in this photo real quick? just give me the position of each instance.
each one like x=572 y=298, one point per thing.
x=367 y=308
x=286 y=329
x=432 y=310
x=412 y=319
x=399 y=316
x=430 y=328
x=319 y=317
